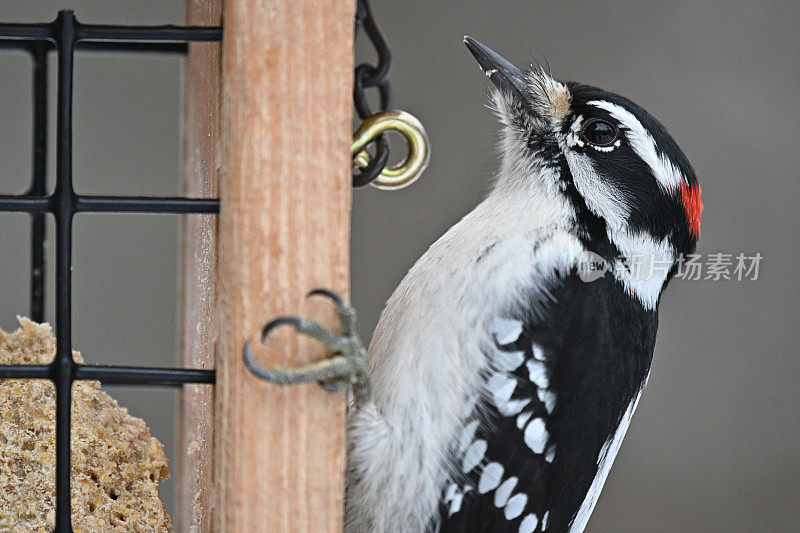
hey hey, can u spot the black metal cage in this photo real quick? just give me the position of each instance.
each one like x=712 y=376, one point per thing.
x=65 y=35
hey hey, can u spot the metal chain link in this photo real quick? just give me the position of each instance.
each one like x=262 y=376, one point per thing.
x=366 y=77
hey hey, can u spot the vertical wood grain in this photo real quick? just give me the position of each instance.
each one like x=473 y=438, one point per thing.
x=284 y=229
x=198 y=317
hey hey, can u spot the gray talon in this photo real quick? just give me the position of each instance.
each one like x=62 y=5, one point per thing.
x=348 y=368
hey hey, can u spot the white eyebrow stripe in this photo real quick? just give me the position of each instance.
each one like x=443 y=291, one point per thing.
x=667 y=175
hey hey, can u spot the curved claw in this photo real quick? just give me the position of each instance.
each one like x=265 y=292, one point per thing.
x=280 y=321
x=346 y=313
x=250 y=362
x=334 y=297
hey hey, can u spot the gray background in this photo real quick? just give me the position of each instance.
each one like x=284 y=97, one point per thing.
x=714 y=444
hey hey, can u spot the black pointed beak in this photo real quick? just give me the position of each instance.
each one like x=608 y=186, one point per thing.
x=503 y=74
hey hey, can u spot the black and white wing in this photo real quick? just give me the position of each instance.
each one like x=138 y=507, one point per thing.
x=562 y=388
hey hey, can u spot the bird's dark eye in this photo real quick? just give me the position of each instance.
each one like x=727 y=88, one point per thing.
x=600 y=133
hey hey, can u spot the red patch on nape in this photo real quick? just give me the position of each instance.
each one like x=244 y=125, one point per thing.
x=693 y=204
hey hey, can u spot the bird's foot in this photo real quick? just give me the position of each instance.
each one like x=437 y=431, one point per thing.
x=347 y=368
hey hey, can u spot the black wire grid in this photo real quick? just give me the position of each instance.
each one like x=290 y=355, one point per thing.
x=65 y=35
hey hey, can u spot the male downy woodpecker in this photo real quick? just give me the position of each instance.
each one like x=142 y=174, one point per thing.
x=502 y=379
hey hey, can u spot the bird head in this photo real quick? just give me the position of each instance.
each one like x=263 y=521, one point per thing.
x=622 y=175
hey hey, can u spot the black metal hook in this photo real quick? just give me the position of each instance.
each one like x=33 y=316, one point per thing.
x=365 y=176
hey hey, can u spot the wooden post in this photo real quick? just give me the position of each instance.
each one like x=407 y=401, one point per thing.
x=198 y=317
x=284 y=229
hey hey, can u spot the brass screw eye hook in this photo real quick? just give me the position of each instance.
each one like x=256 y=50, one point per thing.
x=407 y=125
